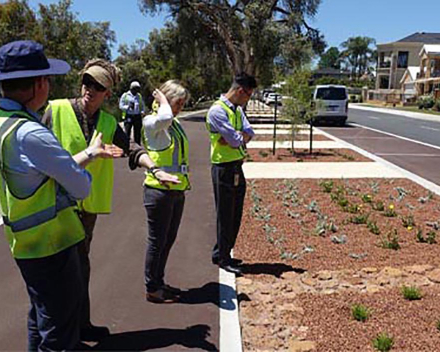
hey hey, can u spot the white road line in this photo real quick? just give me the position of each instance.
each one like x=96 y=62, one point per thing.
x=373 y=117
x=429 y=128
x=394 y=135
x=400 y=154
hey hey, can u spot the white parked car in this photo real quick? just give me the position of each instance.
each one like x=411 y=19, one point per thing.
x=272 y=98
x=331 y=102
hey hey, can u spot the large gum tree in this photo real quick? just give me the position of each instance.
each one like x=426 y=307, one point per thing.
x=251 y=33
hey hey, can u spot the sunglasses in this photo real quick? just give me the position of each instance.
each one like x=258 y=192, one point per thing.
x=247 y=92
x=89 y=82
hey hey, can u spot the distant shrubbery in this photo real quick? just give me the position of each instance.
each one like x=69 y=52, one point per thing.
x=426 y=102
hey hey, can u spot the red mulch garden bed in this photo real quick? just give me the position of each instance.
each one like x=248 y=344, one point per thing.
x=346 y=226
x=412 y=324
x=295 y=214
x=303 y=155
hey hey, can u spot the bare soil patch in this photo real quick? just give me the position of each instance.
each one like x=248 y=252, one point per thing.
x=287 y=137
x=303 y=155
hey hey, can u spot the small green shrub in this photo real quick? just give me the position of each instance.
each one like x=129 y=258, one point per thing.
x=353 y=208
x=383 y=342
x=342 y=202
x=391 y=240
x=360 y=312
x=372 y=226
x=359 y=219
x=408 y=221
x=430 y=237
x=411 y=293
x=263 y=154
x=437 y=324
x=366 y=198
x=378 y=206
x=327 y=186
x=390 y=212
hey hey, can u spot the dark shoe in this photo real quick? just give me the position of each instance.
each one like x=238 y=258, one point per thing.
x=94 y=333
x=162 y=296
x=230 y=268
x=174 y=290
x=233 y=261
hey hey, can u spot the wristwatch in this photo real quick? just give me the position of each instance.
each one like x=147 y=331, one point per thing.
x=154 y=169
x=89 y=153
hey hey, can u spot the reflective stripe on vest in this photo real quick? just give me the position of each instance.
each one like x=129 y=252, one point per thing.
x=173 y=159
x=225 y=153
x=45 y=222
x=68 y=131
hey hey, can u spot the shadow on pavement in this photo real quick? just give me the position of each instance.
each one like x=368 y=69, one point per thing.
x=210 y=293
x=191 y=337
x=275 y=269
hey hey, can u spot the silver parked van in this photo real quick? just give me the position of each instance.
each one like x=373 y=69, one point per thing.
x=331 y=103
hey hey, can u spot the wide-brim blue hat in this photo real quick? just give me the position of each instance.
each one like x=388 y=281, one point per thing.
x=25 y=58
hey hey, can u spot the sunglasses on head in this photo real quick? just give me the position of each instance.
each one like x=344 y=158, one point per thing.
x=89 y=82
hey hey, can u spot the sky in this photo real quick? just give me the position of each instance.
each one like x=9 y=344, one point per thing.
x=384 y=20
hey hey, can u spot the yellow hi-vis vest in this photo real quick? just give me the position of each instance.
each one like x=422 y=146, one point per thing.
x=225 y=153
x=173 y=159
x=68 y=131
x=139 y=95
x=43 y=223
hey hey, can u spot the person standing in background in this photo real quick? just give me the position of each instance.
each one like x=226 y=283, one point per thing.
x=133 y=109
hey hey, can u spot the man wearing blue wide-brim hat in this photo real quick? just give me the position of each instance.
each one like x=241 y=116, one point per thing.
x=41 y=183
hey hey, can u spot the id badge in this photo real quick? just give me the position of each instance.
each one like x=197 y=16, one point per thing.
x=236 y=179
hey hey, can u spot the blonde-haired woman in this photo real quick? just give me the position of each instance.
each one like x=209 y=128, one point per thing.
x=167 y=146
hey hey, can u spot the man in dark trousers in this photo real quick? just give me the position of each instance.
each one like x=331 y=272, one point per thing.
x=229 y=131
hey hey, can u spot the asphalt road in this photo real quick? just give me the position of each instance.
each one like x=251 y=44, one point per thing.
x=420 y=130
x=414 y=156
x=117 y=289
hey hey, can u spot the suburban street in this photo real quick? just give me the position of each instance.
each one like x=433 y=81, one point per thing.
x=421 y=159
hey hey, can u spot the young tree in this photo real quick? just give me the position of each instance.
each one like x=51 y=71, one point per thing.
x=245 y=28
x=298 y=105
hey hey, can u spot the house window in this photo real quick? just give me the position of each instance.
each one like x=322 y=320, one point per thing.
x=384 y=59
x=402 y=59
x=384 y=82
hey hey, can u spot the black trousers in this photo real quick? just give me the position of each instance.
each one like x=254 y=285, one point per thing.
x=89 y=221
x=134 y=121
x=54 y=286
x=229 y=191
x=164 y=212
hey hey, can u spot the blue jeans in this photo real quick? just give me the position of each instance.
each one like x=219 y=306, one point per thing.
x=164 y=211
x=55 y=288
